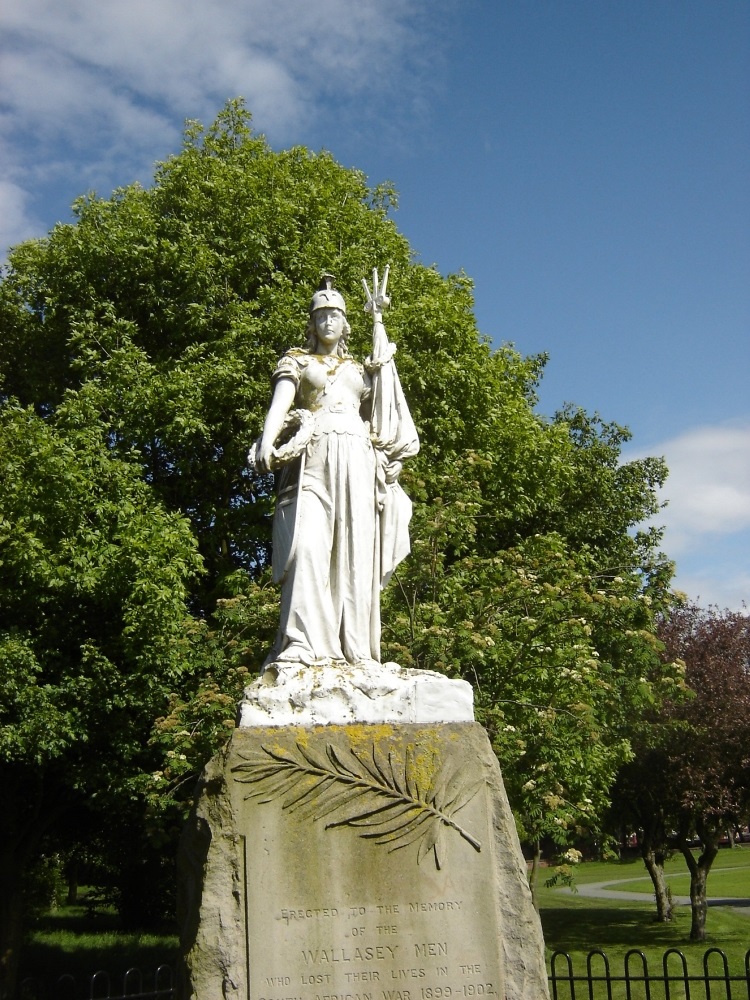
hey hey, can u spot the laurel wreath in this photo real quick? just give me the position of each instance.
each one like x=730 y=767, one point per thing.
x=384 y=800
x=295 y=434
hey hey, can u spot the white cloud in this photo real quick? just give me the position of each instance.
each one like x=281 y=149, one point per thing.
x=707 y=512
x=708 y=490
x=109 y=84
x=15 y=222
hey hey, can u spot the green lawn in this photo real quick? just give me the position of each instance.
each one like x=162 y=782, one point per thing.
x=633 y=868
x=577 y=924
x=727 y=882
x=73 y=941
x=729 y=876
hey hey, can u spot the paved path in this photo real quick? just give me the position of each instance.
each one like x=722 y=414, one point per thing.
x=600 y=890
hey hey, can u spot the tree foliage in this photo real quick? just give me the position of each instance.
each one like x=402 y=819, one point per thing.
x=94 y=575
x=148 y=330
x=690 y=776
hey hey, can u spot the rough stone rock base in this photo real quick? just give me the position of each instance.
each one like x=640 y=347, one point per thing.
x=292 y=694
x=357 y=862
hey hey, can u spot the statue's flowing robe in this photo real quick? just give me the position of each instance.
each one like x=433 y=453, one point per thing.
x=341 y=522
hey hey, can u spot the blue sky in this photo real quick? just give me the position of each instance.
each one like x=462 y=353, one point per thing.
x=585 y=162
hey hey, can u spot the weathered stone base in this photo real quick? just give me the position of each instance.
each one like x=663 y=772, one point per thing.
x=292 y=694
x=357 y=862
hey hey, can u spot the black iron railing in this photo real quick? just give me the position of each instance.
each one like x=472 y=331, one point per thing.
x=637 y=982
x=100 y=986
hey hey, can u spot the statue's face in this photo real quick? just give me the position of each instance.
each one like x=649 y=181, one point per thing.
x=329 y=325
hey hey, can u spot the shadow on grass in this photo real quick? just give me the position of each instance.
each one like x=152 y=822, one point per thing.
x=602 y=927
x=78 y=920
x=45 y=964
x=48 y=962
x=76 y=942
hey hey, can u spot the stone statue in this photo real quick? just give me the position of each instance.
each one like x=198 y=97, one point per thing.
x=336 y=434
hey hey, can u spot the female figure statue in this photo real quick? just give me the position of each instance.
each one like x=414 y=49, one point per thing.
x=341 y=521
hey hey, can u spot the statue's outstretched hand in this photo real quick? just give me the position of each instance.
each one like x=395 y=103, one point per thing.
x=377 y=299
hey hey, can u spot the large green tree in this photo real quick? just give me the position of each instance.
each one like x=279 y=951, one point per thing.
x=154 y=321
x=93 y=585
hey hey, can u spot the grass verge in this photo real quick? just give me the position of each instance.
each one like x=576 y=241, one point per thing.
x=577 y=925
x=72 y=940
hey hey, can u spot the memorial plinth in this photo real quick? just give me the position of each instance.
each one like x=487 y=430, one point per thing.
x=357 y=862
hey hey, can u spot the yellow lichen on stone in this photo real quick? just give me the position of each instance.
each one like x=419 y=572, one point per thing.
x=360 y=733
x=425 y=758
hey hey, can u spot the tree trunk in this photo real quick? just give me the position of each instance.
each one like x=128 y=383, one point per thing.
x=71 y=876
x=699 y=870
x=534 y=874
x=11 y=929
x=24 y=824
x=698 y=904
x=654 y=862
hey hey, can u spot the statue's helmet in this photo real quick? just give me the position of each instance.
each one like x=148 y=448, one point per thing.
x=327 y=297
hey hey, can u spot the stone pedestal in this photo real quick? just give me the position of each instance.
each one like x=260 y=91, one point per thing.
x=357 y=862
x=293 y=694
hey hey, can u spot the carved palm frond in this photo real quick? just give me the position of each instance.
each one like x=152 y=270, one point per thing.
x=389 y=803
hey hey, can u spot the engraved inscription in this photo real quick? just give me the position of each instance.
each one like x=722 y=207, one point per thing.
x=440 y=905
x=308 y=914
x=329 y=956
x=344 y=996
x=347 y=961
x=431 y=948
